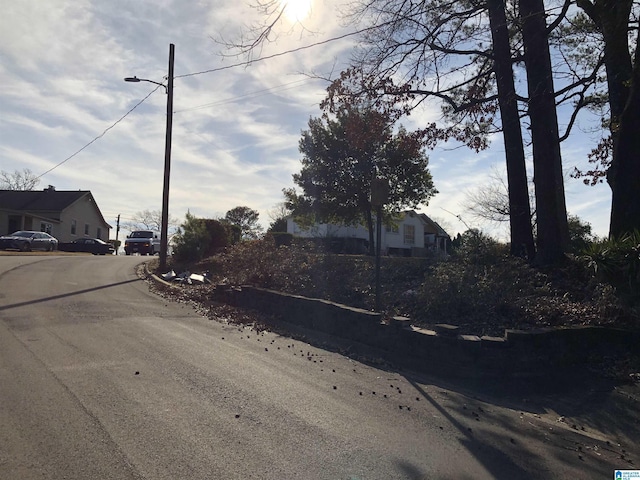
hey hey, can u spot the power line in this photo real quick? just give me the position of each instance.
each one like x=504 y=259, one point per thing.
x=257 y=93
x=227 y=67
x=286 y=52
x=102 y=134
x=198 y=107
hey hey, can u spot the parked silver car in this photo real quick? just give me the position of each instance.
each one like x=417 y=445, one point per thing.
x=26 y=240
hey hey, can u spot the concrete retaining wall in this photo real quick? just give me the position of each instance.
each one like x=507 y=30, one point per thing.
x=517 y=352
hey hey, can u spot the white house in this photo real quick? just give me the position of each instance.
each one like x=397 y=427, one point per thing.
x=412 y=235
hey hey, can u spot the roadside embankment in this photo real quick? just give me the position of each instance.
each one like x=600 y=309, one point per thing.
x=516 y=353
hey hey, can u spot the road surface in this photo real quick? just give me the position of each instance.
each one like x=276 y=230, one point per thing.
x=102 y=379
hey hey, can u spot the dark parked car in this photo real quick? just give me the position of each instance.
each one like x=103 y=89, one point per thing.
x=26 y=240
x=89 y=245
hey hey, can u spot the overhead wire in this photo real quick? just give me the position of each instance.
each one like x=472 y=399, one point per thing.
x=257 y=93
x=102 y=134
x=212 y=70
x=280 y=54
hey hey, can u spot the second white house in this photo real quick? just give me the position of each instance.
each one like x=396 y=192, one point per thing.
x=412 y=234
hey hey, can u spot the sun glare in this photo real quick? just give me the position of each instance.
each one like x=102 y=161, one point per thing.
x=296 y=10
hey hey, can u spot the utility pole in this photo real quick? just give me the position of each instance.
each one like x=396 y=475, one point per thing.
x=167 y=156
x=117 y=232
x=167 y=165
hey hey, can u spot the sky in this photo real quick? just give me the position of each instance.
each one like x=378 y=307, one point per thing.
x=66 y=112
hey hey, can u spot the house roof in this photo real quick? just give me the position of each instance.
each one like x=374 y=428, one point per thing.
x=439 y=229
x=427 y=220
x=38 y=201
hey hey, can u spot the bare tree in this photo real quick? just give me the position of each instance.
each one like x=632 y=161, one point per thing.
x=149 y=220
x=490 y=201
x=265 y=28
x=18 y=180
x=278 y=212
x=278 y=216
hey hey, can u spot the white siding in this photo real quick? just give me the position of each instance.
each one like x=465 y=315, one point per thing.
x=84 y=212
x=390 y=239
x=323 y=230
x=397 y=240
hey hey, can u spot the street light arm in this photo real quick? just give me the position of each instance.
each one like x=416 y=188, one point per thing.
x=135 y=79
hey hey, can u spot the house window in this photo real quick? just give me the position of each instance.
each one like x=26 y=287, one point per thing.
x=99 y=233
x=86 y=229
x=73 y=227
x=46 y=227
x=409 y=234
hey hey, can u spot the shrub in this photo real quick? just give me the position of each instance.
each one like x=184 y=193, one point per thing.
x=617 y=261
x=474 y=247
x=192 y=240
x=198 y=238
x=480 y=288
x=221 y=235
x=580 y=236
x=485 y=291
x=262 y=263
x=461 y=291
x=281 y=238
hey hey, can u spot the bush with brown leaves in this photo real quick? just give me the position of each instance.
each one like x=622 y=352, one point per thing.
x=480 y=288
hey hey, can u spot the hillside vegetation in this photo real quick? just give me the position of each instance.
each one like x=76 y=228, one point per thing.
x=479 y=287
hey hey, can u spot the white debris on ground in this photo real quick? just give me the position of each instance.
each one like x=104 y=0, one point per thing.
x=169 y=276
x=187 y=277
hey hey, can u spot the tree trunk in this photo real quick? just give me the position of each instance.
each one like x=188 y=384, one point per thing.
x=522 y=243
x=614 y=26
x=625 y=174
x=612 y=19
x=551 y=210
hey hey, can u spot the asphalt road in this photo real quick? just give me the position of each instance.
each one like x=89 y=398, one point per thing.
x=102 y=379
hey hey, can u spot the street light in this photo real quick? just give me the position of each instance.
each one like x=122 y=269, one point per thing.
x=167 y=155
x=135 y=79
